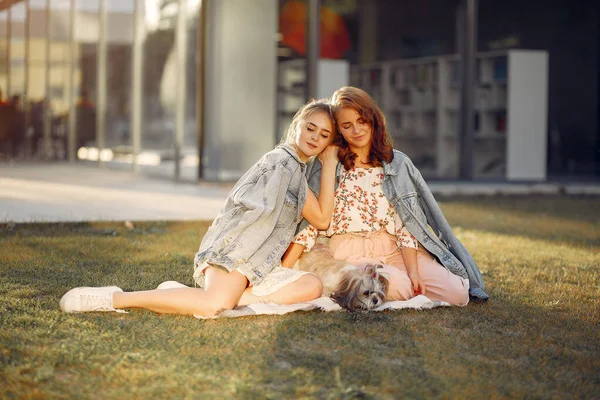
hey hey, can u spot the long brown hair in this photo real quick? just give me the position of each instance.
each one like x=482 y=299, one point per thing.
x=382 y=149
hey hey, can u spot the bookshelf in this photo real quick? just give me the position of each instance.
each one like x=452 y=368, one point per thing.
x=421 y=101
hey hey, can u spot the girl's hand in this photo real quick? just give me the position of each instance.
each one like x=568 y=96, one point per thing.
x=417 y=282
x=329 y=155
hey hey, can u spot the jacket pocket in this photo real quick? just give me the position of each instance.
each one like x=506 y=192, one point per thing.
x=289 y=211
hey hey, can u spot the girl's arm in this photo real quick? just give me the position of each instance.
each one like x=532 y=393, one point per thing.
x=292 y=254
x=304 y=240
x=318 y=212
x=409 y=255
x=442 y=229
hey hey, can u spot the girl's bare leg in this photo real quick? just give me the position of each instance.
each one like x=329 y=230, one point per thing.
x=306 y=288
x=223 y=291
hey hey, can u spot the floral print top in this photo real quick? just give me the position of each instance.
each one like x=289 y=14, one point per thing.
x=360 y=206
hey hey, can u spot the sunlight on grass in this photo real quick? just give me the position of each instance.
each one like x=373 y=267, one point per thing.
x=536 y=338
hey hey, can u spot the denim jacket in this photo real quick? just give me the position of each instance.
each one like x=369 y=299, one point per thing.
x=258 y=221
x=407 y=191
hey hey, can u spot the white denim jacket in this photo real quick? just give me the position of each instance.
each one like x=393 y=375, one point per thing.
x=258 y=221
x=407 y=191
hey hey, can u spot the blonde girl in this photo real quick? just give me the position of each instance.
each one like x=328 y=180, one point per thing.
x=239 y=260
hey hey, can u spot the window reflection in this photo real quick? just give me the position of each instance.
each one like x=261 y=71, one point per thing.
x=160 y=85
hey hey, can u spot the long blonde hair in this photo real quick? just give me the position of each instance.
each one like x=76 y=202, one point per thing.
x=312 y=106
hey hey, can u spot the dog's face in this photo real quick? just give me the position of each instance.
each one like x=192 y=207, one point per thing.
x=361 y=289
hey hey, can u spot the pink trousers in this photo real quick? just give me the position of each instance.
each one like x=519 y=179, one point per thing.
x=380 y=248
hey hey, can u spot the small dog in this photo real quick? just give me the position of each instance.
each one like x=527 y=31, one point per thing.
x=351 y=287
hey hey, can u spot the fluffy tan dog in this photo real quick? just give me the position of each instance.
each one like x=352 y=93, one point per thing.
x=354 y=288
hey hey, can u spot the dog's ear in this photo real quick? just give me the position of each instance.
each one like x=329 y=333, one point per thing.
x=381 y=276
x=345 y=293
x=384 y=280
x=341 y=298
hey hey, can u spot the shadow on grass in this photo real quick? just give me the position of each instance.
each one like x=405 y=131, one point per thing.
x=64 y=229
x=505 y=348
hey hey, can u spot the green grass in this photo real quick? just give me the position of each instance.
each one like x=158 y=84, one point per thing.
x=538 y=337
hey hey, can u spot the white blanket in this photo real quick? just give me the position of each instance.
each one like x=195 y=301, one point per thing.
x=325 y=304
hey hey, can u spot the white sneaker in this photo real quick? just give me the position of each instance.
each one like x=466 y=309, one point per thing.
x=86 y=299
x=171 y=285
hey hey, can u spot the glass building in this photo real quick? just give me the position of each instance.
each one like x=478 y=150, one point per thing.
x=489 y=90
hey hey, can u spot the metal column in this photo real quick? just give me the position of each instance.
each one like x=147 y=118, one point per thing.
x=72 y=96
x=180 y=100
x=137 y=77
x=467 y=95
x=47 y=104
x=101 y=83
x=313 y=22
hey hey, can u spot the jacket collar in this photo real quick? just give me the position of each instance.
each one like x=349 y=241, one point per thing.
x=390 y=168
x=294 y=153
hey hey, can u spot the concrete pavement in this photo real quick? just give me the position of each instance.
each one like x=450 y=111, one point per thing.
x=67 y=193
x=62 y=192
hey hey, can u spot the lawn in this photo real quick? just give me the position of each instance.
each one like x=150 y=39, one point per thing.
x=538 y=336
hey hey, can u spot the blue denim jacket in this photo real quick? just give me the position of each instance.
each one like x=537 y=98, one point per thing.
x=407 y=191
x=258 y=221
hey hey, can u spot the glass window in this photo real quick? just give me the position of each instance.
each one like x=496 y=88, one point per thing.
x=120 y=14
x=160 y=74
x=87 y=35
x=160 y=90
x=17 y=50
x=3 y=55
x=59 y=73
x=189 y=162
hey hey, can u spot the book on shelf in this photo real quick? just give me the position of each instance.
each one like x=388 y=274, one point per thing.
x=455 y=74
x=500 y=70
x=500 y=121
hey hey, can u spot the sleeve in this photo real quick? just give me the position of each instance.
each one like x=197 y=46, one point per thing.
x=440 y=226
x=403 y=237
x=261 y=198
x=313 y=177
x=307 y=237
